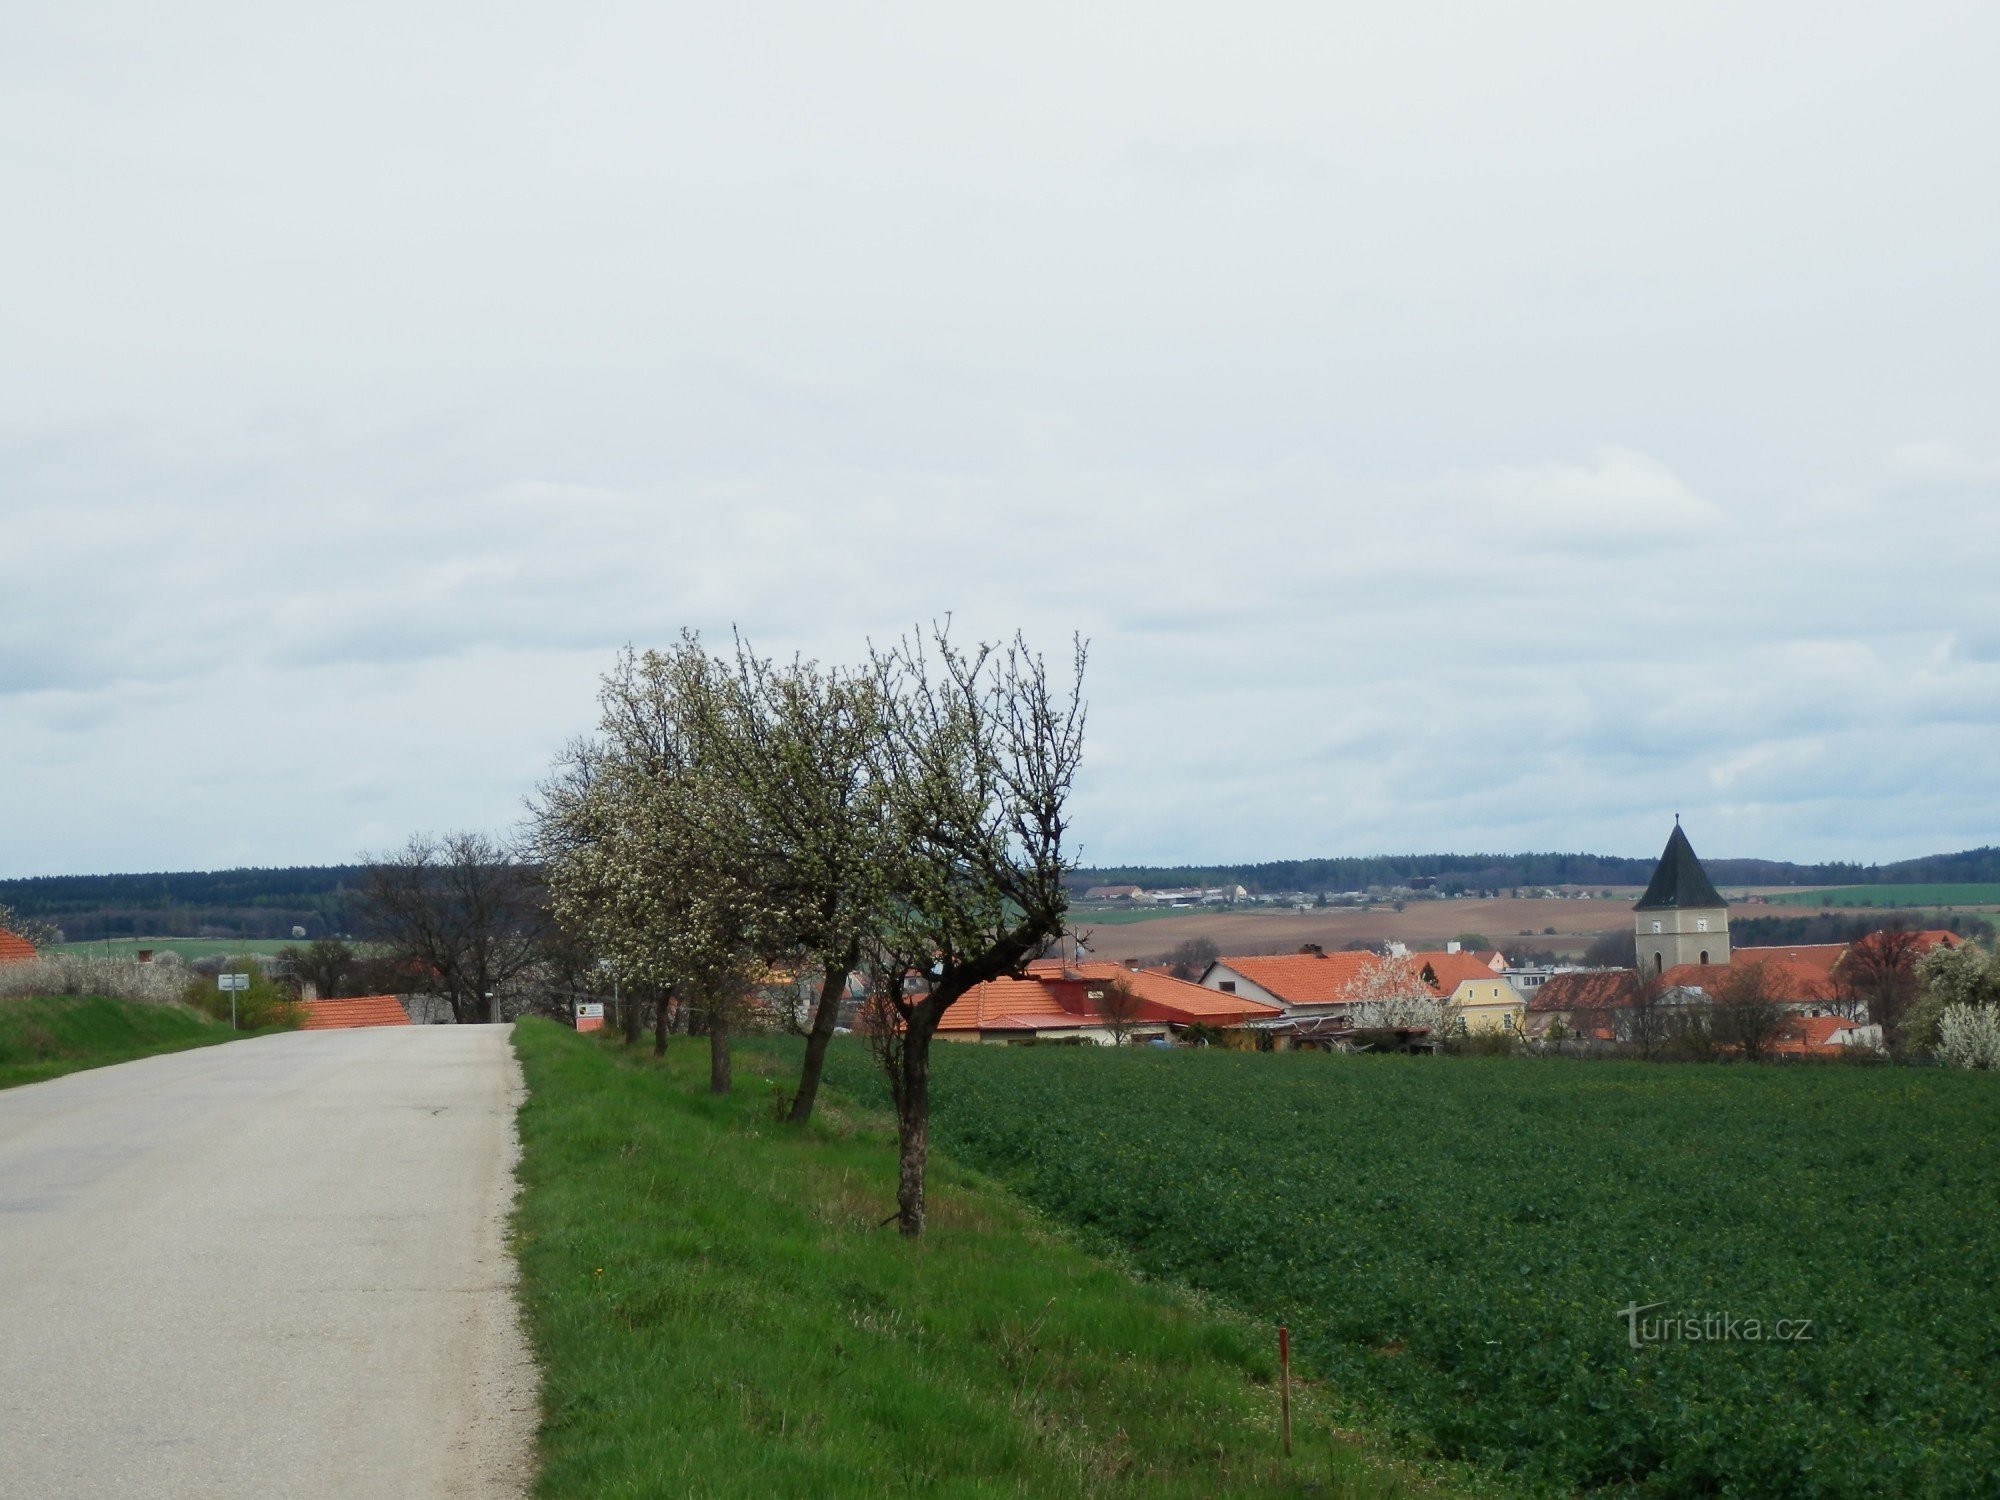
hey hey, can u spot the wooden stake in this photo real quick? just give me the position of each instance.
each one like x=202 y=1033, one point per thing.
x=1285 y=1382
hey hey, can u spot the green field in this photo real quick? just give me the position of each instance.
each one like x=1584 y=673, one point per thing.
x=45 y=1038
x=1453 y=1240
x=188 y=948
x=1914 y=897
x=719 y=1310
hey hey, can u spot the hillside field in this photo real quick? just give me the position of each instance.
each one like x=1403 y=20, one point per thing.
x=1453 y=1240
x=1912 y=896
x=1421 y=924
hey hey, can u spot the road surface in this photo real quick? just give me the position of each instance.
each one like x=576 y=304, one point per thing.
x=274 y=1268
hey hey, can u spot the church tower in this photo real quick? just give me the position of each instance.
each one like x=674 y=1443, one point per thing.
x=1681 y=919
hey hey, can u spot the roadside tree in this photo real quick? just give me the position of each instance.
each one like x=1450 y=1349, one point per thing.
x=463 y=911
x=643 y=848
x=976 y=763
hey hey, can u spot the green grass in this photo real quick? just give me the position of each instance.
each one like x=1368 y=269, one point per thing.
x=1086 y=917
x=719 y=1310
x=188 y=948
x=45 y=1038
x=1452 y=1240
x=1907 y=896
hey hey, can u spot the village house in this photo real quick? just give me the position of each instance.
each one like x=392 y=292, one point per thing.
x=1310 y=982
x=1481 y=997
x=1058 y=1001
x=14 y=948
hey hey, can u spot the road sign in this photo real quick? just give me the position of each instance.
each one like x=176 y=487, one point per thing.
x=232 y=983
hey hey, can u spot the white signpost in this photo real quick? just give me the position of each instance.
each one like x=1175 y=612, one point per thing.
x=232 y=984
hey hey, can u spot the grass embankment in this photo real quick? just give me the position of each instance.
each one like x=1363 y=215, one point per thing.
x=719 y=1310
x=45 y=1038
x=1456 y=1243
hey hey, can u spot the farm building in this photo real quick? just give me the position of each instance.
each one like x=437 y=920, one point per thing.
x=14 y=948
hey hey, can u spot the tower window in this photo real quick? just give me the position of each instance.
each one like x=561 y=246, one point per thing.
x=1656 y=927
x=1701 y=924
x=1657 y=963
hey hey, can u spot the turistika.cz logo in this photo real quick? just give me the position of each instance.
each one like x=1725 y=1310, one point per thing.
x=1708 y=1328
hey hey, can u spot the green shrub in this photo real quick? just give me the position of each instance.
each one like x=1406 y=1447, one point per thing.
x=264 y=1006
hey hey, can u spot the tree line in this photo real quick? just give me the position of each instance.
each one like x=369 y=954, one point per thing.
x=1459 y=873
x=732 y=820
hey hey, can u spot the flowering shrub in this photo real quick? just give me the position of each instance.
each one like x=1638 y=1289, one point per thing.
x=1969 y=1036
x=85 y=974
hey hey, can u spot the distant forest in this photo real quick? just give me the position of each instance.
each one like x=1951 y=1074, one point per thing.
x=196 y=903
x=1458 y=873
x=319 y=898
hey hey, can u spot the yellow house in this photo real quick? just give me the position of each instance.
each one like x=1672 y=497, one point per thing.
x=1480 y=998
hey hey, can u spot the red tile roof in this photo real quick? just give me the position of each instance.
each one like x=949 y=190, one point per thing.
x=1164 y=998
x=14 y=948
x=1803 y=974
x=1809 y=1034
x=1303 y=978
x=1593 y=989
x=357 y=1010
x=1801 y=958
x=1055 y=995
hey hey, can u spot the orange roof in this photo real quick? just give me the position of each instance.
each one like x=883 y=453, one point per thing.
x=1176 y=998
x=1801 y=974
x=352 y=1011
x=14 y=948
x=1056 y=995
x=1805 y=1034
x=984 y=1006
x=1819 y=958
x=1447 y=971
x=1591 y=989
x=1304 y=978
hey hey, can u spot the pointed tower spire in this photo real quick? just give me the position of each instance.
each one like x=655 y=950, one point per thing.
x=1682 y=918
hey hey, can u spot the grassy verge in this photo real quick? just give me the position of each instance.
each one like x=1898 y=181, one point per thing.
x=718 y=1310
x=45 y=1038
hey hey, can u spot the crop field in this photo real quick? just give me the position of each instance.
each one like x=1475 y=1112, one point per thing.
x=1454 y=1243
x=1911 y=896
x=1508 y=921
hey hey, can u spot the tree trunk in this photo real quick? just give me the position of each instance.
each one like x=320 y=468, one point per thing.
x=660 y=1027
x=718 y=1052
x=913 y=1131
x=630 y=1016
x=825 y=1017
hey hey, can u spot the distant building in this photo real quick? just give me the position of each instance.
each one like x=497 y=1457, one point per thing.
x=1113 y=893
x=1058 y=1001
x=14 y=948
x=1681 y=919
x=1311 y=982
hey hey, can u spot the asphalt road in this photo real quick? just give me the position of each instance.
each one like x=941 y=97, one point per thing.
x=274 y=1268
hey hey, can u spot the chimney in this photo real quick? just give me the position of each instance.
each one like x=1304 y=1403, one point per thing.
x=1313 y=948
x=1451 y=947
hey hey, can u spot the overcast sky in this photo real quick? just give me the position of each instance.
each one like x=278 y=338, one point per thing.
x=1455 y=427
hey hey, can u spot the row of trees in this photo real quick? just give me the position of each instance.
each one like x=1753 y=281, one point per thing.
x=904 y=820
